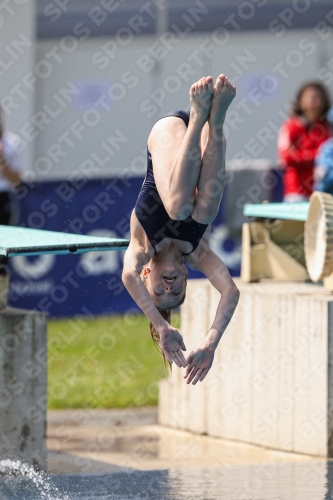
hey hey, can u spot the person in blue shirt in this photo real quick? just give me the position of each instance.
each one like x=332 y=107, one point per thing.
x=323 y=172
x=324 y=168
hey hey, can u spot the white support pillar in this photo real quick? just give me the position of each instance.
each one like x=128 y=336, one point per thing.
x=23 y=378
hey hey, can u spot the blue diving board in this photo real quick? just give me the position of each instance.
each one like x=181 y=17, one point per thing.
x=291 y=211
x=16 y=241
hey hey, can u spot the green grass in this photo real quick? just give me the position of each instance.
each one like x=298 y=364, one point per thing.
x=103 y=363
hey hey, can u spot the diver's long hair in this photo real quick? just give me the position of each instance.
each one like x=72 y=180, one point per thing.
x=166 y=314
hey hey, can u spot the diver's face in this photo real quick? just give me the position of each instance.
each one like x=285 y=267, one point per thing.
x=166 y=283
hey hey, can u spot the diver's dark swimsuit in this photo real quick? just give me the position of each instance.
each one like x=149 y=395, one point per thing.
x=152 y=215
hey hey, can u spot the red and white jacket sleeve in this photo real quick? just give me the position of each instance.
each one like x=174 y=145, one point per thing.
x=290 y=146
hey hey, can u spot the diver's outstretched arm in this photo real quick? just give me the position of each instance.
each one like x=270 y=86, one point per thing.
x=171 y=340
x=200 y=360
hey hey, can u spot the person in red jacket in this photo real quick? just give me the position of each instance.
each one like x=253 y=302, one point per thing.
x=300 y=137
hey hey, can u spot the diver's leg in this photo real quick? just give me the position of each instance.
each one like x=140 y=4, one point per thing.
x=212 y=175
x=185 y=172
x=176 y=152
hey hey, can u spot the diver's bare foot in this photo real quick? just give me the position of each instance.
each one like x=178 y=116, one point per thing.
x=200 y=97
x=223 y=94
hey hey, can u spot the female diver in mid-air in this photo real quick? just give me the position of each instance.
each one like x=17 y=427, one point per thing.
x=171 y=221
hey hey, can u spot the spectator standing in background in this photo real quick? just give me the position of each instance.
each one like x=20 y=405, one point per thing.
x=300 y=137
x=324 y=168
x=323 y=173
x=10 y=169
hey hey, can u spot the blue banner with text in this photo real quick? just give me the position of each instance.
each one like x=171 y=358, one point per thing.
x=89 y=283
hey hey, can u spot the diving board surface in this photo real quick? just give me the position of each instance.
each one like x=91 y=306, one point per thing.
x=290 y=211
x=16 y=241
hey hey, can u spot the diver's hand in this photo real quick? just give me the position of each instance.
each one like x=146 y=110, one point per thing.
x=172 y=344
x=199 y=363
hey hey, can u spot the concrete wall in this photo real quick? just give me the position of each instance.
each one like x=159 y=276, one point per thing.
x=271 y=381
x=50 y=87
x=134 y=91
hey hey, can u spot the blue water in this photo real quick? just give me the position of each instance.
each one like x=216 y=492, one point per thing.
x=288 y=481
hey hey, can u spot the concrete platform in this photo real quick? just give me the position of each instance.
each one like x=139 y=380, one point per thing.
x=271 y=382
x=88 y=450
x=126 y=454
x=108 y=441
